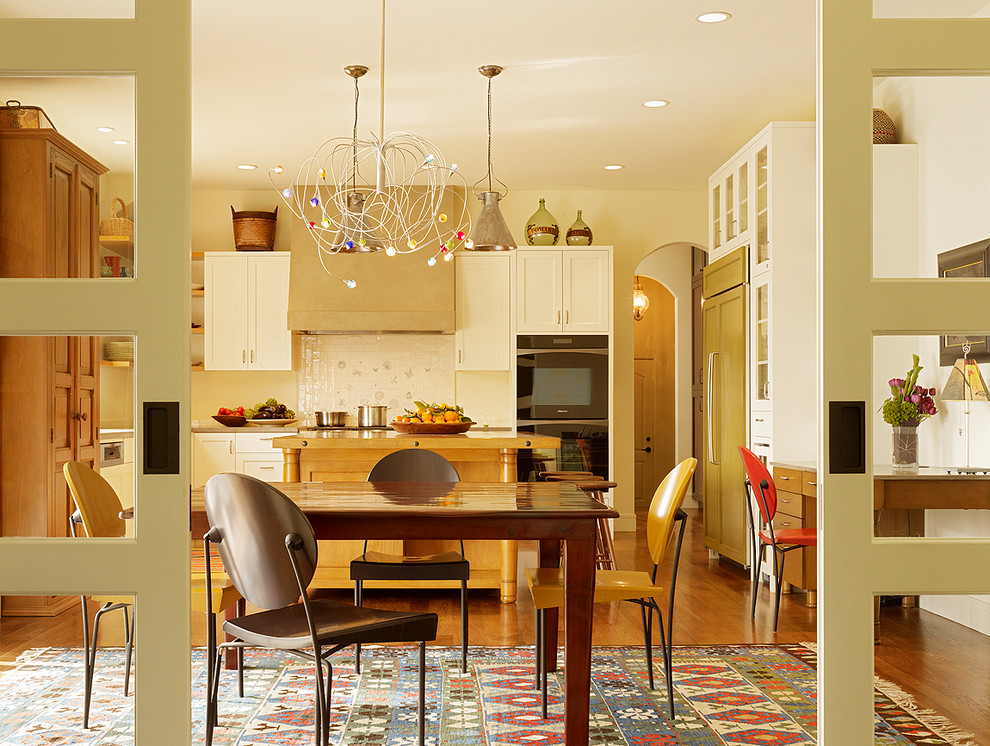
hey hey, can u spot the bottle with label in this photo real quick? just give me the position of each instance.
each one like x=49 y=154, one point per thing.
x=579 y=234
x=542 y=228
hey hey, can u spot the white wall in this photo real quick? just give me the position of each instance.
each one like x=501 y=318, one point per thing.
x=947 y=117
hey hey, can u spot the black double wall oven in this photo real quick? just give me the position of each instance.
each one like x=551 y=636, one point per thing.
x=562 y=389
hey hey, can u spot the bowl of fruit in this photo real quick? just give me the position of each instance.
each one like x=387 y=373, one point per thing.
x=432 y=419
x=269 y=412
x=230 y=417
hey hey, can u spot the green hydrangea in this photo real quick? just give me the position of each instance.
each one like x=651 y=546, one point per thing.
x=898 y=412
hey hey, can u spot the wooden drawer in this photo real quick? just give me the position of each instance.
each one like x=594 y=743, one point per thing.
x=791 y=505
x=809 y=483
x=787 y=480
x=784 y=521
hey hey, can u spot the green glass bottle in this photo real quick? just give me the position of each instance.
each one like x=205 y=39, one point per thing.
x=542 y=228
x=579 y=234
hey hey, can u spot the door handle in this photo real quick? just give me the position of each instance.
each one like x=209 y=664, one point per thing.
x=243 y=356
x=567 y=316
x=646 y=450
x=558 y=316
x=711 y=418
x=252 y=356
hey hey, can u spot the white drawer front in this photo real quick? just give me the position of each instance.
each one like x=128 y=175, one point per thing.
x=264 y=469
x=761 y=425
x=248 y=442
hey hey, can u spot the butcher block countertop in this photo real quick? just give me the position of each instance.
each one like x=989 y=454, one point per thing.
x=375 y=439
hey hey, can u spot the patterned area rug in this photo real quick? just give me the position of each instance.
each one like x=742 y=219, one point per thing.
x=751 y=694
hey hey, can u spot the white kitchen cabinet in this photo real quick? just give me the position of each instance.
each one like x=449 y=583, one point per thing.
x=246 y=302
x=729 y=206
x=566 y=290
x=243 y=452
x=482 y=312
x=781 y=243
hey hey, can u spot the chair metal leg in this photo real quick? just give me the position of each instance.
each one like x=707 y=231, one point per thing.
x=544 y=665
x=241 y=610
x=87 y=664
x=128 y=647
x=648 y=639
x=358 y=600
x=212 y=695
x=464 y=626
x=538 y=657
x=780 y=578
x=758 y=562
x=422 y=693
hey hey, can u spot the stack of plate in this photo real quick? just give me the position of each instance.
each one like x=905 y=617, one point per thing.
x=120 y=350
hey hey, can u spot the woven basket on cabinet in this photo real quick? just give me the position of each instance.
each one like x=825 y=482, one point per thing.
x=117 y=226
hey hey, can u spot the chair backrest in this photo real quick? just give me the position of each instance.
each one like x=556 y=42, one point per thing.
x=413 y=465
x=253 y=518
x=663 y=508
x=757 y=473
x=96 y=500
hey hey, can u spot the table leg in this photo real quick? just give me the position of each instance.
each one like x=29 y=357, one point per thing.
x=579 y=596
x=510 y=566
x=290 y=464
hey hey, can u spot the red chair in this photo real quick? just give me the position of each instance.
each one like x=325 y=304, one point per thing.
x=760 y=487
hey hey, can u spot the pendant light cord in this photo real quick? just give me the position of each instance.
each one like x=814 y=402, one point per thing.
x=489 y=134
x=381 y=105
x=354 y=147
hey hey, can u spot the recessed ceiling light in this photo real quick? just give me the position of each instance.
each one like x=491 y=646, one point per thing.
x=104 y=129
x=655 y=104
x=121 y=142
x=246 y=166
x=715 y=16
x=612 y=167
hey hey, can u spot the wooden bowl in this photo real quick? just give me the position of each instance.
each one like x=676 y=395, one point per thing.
x=230 y=420
x=431 y=428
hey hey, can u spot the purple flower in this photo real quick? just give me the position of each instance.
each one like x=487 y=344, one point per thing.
x=916 y=398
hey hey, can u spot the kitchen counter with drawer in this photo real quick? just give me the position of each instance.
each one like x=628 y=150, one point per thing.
x=797 y=507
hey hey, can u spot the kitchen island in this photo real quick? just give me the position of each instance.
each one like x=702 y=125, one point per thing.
x=482 y=455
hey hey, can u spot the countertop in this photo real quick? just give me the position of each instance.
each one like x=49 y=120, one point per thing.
x=886 y=471
x=481 y=438
x=796 y=465
x=218 y=428
x=108 y=434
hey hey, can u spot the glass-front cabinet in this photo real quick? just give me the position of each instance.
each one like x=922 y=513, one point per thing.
x=761 y=258
x=729 y=206
x=760 y=354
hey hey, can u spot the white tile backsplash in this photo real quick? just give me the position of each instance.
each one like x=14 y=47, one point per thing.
x=340 y=372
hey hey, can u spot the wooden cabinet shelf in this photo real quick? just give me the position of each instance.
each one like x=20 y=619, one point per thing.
x=117 y=363
x=120 y=245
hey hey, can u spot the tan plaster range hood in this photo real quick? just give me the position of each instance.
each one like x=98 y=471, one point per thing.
x=398 y=294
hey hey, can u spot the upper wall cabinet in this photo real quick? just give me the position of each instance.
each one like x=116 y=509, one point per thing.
x=563 y=289
x=482 y=311
x=728 y=205
x=247 y=298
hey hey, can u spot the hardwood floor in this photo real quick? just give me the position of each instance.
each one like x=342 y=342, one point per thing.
x=943 y=665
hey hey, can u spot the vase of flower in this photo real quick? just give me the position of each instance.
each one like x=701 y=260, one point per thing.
x=907 y=406
x=904 y=455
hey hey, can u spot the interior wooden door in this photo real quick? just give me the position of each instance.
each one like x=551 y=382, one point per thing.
x=644 y=456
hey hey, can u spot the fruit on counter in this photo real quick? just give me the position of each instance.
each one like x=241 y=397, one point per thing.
x=434 y=413
x=234 y=411
x=271 y=409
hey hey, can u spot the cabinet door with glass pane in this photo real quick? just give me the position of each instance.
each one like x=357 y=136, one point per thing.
x=760 y=390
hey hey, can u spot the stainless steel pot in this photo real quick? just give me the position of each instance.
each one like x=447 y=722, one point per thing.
x=372 y=415
x=331 y=419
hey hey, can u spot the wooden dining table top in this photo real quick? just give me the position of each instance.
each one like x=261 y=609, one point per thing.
x=482 y=509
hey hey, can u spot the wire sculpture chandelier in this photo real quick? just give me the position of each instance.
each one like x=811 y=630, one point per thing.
x=380 y=194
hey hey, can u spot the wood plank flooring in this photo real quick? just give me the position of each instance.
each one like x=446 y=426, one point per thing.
x=943 y=665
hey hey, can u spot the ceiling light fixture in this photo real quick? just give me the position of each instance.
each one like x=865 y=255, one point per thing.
x=715 y=16
x=490 y=232
x=104 y=129
x=382 y=194
x=246 y=166
x=655 y=104
x=612 y=167
x=121 y=142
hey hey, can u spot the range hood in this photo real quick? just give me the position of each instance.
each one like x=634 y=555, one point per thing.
x=398 y=294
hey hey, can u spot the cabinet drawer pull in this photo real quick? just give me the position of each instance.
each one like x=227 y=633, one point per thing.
x=759 y=419
x=784 y=479
x=266 y=468
x=812 y=484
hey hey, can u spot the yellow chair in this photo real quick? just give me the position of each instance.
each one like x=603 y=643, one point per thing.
x=99 y=511
x=639 y=587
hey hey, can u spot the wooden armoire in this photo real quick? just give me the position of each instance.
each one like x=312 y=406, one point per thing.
x=49 y=385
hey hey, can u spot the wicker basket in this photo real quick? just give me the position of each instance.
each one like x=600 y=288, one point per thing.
x=253 y=230
x=117 y=226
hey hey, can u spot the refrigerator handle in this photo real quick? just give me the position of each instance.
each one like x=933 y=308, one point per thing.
x=710 y=387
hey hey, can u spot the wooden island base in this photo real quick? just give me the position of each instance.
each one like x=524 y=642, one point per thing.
x=348 y=456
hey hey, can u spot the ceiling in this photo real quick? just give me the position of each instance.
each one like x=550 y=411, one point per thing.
x=269 y=87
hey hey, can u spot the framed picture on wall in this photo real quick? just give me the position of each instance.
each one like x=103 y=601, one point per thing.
x=966 y=261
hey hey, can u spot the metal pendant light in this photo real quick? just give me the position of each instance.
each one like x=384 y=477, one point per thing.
x=640 y=301
x=490 y=231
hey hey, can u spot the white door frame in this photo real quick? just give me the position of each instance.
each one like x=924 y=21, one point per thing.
x=853 y=307
x=154 y=306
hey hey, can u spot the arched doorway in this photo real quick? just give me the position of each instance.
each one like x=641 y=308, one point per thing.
x=664 y=352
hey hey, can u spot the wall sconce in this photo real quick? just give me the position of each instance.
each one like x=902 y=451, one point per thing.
x=640 y=301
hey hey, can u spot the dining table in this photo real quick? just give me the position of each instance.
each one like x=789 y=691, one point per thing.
x=553 y=513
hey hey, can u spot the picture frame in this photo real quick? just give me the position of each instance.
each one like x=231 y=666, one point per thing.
x=971 y=260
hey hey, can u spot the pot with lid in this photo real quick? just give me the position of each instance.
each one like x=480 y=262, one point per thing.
x=372 y=415
x=331 y=419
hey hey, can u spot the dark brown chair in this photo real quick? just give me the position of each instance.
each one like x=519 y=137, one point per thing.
x=269 y=550
x=413 y=465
